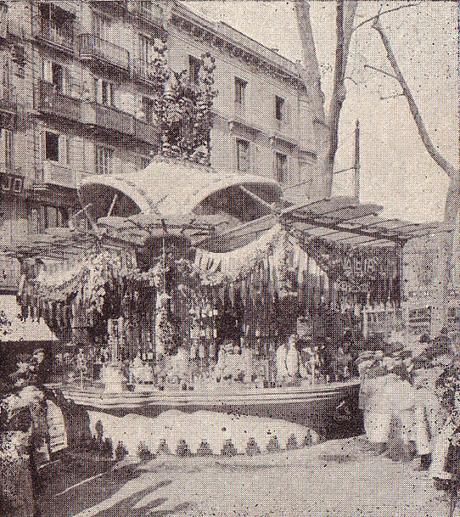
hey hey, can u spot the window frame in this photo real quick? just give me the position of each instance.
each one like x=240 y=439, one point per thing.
x=241 y=142
x=194 y=67
x=280 y=108
x=281 y=173
x=240 y=91
x=106 y=161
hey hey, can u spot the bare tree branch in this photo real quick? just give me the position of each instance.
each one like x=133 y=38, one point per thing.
x=380 y=13
x=381 y=71
x=351 y=79
x=447 y=167
x=391 y=96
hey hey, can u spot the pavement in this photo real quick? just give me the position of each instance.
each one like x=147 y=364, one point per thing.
x=340 y=478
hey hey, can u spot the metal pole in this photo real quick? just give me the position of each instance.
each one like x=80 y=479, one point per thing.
x=357 y=164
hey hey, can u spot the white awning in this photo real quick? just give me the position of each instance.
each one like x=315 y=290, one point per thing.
x=167 y=187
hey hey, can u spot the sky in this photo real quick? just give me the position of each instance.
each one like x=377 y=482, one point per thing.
x=396 y=170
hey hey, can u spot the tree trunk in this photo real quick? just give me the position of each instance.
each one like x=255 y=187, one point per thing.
x=344 y=28
x=452 y=203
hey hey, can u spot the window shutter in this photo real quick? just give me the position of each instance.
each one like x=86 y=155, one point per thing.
x=287 y=113
x=98 y=87
x=47 y=70
x=43 y=144
x=64 y=148
x=114 y=95
x=66 y=81
x=2 y=150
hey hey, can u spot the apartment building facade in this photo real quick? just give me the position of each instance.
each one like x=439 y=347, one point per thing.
x=77 y=98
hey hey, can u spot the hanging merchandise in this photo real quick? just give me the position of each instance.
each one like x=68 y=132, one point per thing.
x=355 y=269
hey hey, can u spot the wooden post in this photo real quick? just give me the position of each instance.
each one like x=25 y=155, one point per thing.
x=357 y=165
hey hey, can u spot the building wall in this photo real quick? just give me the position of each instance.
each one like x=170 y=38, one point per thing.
x=49 y=185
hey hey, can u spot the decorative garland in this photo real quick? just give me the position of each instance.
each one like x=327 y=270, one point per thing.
x=88 y=281
x=354 y=269
x=184 y=110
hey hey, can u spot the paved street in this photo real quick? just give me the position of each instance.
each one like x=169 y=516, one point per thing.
x=337 y=478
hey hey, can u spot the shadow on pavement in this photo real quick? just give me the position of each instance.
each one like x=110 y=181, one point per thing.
x=94 y=492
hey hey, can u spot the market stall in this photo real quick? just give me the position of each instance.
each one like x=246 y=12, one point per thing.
x=181 y=297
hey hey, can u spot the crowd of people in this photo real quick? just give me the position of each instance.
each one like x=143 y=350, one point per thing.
x=24 y=437
x=315 y=362
x=411 y=405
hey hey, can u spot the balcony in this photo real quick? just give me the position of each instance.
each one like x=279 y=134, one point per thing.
x=241 y=118
x=147 y=11
x=143 y=71
x=146 y=132
x=93 y=48
x=55 y=34
x=8 y=99
x=57 y=174
x=55 y=103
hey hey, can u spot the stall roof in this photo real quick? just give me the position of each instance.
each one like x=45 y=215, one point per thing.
x=339 y=219
x=62 y=243
x=168 y=187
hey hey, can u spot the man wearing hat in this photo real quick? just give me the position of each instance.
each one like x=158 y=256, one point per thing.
x=429 y=416
x=377 y=413
x=400 y=397
x=38 y=367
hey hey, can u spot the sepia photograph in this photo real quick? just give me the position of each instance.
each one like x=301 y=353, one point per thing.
x=229 y=258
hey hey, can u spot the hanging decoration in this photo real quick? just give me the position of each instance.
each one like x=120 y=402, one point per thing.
x=183 y=109
x=354 y=269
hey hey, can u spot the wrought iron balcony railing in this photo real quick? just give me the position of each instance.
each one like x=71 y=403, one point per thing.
x=148 y=11
x=55 y=33
x=114 y=119
x=57 y=174
x=146 y=132
x=52 y=101
x=8 y=99
x=93 y=47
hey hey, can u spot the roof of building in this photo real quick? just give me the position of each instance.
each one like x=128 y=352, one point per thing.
x=239 y=39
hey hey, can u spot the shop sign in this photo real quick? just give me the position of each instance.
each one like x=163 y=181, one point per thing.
x=12 y=184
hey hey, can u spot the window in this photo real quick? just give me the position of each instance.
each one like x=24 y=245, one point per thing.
x=240 y=91
x=57 y=75
x=148 y=110
x=52 y=146
x=105 y=92
x=194 y=66
x=242 y=156
x=281 y=167
x=9 y=150
x=102 y=27
x=145 y=48
x=279 y=108
x=104 y=160
x=146 y=5
x=57 y=148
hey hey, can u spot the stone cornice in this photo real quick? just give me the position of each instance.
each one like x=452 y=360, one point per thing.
x=245 y=49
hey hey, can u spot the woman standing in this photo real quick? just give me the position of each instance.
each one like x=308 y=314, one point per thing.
x=23 y=436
